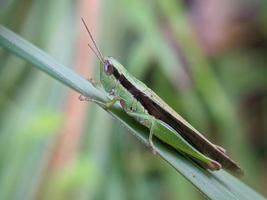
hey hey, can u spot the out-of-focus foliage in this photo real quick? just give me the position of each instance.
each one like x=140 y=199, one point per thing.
x=206 y=59
x=215 y=185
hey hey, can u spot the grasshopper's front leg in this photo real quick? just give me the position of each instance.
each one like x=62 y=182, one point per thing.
x=97 y=85
x=107 y=104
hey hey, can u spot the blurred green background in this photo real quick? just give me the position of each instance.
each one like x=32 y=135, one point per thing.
x=207 y=59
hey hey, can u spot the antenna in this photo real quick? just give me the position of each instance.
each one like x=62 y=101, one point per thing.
x=97 y=52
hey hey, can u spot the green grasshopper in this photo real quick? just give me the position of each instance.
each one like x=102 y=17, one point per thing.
x=141 y=103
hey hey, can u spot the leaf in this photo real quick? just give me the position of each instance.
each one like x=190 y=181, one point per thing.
x=215 y=185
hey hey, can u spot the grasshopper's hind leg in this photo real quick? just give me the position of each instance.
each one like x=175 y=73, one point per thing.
x=145 y=119
x=151 y=123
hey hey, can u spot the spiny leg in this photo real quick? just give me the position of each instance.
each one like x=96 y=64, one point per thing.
x=171 y=136
x=144 y=119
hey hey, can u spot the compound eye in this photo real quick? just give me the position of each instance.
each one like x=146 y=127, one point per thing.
x=108 y=67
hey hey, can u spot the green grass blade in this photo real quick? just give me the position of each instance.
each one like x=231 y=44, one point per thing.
x=215 y=185
x=44 y=62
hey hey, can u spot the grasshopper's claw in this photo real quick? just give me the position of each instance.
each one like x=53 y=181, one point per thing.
x=84 y=98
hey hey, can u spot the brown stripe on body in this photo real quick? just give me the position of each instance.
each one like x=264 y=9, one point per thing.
x=188 y=134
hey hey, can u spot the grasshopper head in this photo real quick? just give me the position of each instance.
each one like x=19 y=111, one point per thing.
x=109 y=74
x=108 y=70
x=108 y=66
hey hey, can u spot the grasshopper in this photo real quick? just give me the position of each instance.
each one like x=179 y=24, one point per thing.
x=147 y=108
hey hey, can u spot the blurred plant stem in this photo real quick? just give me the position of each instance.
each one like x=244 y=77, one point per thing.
x=68 y=142
x=224 y=97
x=221 y=108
